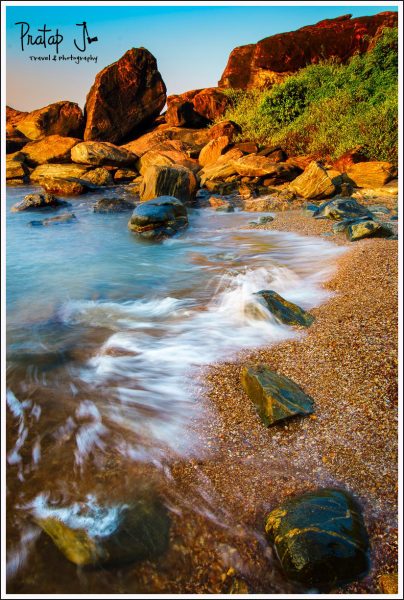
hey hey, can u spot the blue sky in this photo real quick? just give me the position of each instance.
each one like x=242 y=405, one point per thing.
x=191 y=44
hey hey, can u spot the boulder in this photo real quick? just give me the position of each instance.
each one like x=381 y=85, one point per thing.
x=102 y=153
x=60 y=118
x=60 y=219
x=58 y=171
x=92 y=535
x=262 y=220
x=315 y=182
x=38 y=201
x=357 y=230
x=285 y=311
x=50 y=149
x=222 y=168
x=196 y=108
x=274 y=58
x=228 y=128
x=340 y=209
x=97 y=177
x=16 y=167
x=193 y=140
x=275 y=396
x=158 y=218
x=247 y=147
x=213 y=150
x=64 y=187
x=221 y=205
x=124 y=97
x=274 y=153
x=171 y=180
x=346 y=160
x=372 y=174
x=320 y=538
x=15 y=140
x=153 y=158
x=253 y=165
x=112 y=205
x=123 y=175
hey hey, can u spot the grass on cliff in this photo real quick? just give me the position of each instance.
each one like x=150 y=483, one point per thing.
x=328 y=108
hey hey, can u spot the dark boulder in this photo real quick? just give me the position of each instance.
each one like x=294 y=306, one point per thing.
x=112 y=205
x=320 y=538
x=285 y=311
x=340 y=209
x=158 y=218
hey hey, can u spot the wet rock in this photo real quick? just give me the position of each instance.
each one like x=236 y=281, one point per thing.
x=64 y=187
x=60 y=219
x=50 y=149
x=388 y=583
x=316 y=182
x=320 y=538
x=60 y=118
x=262 y=220
x=213 y=150
x=275 y=396
x=102 y=153
x=285 y=311
x=358 y=230
x=159 y=218
x=92 y=535
x=221 y=205
x=125 y=95
x=97 y=177
x=112 y=205
x=373 y=174
x=123 y=175
x=38 y=201
x=340 y=209
x=173 y=180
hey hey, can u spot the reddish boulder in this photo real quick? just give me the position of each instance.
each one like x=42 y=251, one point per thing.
x=344 y=162
x=50 y=149
x=124 y=97
x=228 y=128
x=60 y=118
x=196 y=108
x=274 y=58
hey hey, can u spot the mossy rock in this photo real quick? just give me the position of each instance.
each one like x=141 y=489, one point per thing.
x=275 y=396
x=320 y=538
x=285 y=311
x=364 y=229
x=108 y=535
x=341 y=208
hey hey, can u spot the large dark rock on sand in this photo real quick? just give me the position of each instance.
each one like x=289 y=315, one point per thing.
x=38 y=201
x=60 y=118
x=273 y=58
x=98 y=535
x=357 y=230
x=285 y=311
x=112 y=205
x=102 y=153
x=320 y=538
x=124 y=97
x=173 y=180
x=316 y=182
x=159 y=218
x=340 y=209
x=50 y=149
x=275 y=396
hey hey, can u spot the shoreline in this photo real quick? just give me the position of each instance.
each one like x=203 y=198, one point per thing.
x=347 y=362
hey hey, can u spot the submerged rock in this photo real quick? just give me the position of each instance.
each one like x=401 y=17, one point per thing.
x=285 y=311
x=38 y=201
x=340 y=209
x=90 y=534
x=275 y=396
x=112 y=205
x=358 y=230
x=159 y=218
x=64 y=218
x=320 y=538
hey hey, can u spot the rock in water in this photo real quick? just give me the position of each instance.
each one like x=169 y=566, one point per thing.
x=320 y=538
x=159 y=218
x=315 y=182
x=340 y=209
x=38 y=201
x=285 y=311
x=112 y=205
x=60 y=118
x=124 y=96
x=275 y=396
x=90 y=534
x=363 y=229
x=173 y=180
x=102 y=153
x=65 y=218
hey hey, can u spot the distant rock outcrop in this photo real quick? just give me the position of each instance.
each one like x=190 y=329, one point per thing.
x=124 y=96
x=272 y=59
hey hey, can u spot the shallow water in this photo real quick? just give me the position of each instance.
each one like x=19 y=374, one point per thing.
x=106 y=336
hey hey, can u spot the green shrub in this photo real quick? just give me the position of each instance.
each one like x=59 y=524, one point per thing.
x=328 y=108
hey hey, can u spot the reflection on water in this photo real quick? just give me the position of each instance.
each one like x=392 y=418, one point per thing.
x=105 y=337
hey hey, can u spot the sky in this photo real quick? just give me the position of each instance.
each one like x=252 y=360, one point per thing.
x=191 y=43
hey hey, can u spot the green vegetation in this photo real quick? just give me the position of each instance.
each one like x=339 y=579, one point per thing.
x=329 y=108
